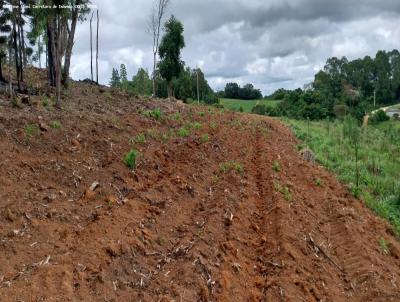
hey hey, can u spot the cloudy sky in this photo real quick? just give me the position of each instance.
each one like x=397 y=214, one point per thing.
x=271 y=43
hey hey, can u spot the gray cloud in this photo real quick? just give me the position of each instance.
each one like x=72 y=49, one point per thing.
x=273 y=44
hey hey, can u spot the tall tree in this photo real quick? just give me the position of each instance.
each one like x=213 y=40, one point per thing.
x=156 y=20
x=170 y=64
x=5 y=29
x=141 y=83
x=115 y=79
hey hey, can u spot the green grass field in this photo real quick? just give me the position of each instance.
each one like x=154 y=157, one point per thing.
x=379 y=161
x=247 y=105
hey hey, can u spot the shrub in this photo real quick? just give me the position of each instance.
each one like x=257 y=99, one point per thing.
x=130 y=158
x=259 y=109
x=378 y=117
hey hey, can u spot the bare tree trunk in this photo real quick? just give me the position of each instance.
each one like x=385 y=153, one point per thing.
x=91 y=48
x=97 y=50
x=23 y=59
x=2 y=79
x=16 y=55
x=51 y=50
x=70 y=45
x=21 y=53
x=155 y=27
x=58 y=61
x=9 y=70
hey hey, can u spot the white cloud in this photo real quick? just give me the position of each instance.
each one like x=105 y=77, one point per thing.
x=272 y=44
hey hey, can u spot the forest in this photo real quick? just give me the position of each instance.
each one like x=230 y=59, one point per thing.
x=343 y=87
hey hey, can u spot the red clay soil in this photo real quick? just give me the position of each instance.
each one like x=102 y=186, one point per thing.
x=200 y=218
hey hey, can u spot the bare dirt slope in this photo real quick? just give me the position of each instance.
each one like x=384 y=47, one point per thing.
x=199 y=219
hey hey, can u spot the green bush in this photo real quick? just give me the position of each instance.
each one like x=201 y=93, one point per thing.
x=183 y=132
x=378 y=117
x=130 y=158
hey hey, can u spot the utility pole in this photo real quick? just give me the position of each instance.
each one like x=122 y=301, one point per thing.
x=374 y=98
x=198 y=90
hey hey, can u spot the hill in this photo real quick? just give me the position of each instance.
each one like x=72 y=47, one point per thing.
x=220 y=207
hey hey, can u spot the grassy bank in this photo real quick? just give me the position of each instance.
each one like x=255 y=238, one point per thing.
x=247 y=105
x=379 y=161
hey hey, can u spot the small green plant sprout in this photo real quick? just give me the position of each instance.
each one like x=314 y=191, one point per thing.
x=46 y=103
x=155 y=114
x=196 y=126
x=231 y=166
x=284 y=190
x=318 y=182
x=130 y=158
x=384 y=246
x=202 y=113
x=205 y=138
x=176 y=117
x=139 y=139
x=31 y=129
x=55 y=125
x=183 y=132
x=276 y=166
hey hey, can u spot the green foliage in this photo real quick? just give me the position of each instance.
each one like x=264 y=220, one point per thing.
x=172 y=42
x=156 y=114
x=318 y=182
x=141 y=83
x=276 y=166
x=259 y=109
x=139 y=139
x=346 y=87
x=115 y=78
x=247 y=92
x=205 y=138
x=378 y=117
x=183 y=132
x=378 y=160
x=130 y=158
x=46 y=103
x=231 y=166
x=55 y=125
x=384 y=246
x=284 y=190
x=31 y=130
x=248 y=105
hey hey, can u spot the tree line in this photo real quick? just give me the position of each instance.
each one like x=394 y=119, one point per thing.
x=343 y=87
x=247 y=92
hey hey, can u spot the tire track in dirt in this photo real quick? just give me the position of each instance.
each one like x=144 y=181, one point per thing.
x=267 y=242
